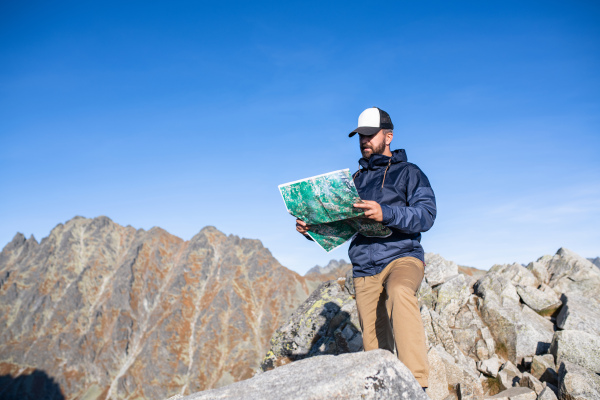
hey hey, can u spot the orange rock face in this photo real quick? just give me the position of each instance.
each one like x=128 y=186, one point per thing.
x=106 y=311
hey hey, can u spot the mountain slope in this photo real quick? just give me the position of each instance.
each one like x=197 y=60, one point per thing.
x=95 y=305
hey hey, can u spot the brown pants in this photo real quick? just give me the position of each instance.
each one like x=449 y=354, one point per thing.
x=387 y=301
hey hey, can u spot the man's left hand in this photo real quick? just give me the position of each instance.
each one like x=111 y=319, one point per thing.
x=371 y=208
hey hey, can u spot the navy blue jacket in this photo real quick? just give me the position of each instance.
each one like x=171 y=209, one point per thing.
x=408 y=207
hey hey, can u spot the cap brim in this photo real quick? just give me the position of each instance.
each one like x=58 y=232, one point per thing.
x=365 y=130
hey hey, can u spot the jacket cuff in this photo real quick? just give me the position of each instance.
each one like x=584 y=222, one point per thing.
x=308 y=238
x=387 y=215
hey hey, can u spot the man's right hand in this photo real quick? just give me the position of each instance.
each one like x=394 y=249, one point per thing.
x=302 y=227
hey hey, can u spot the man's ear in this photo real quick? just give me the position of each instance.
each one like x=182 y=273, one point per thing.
x=388 y=138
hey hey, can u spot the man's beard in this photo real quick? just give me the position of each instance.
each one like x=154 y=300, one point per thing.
x=373 y=150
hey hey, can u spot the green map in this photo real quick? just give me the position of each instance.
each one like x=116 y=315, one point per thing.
x=325 y=203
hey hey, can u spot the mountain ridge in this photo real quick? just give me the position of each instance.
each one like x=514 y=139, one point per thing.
x=94 y=304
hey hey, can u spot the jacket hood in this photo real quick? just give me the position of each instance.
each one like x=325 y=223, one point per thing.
x=379 y=160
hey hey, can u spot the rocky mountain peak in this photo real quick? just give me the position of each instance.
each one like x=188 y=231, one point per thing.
x=331 y=267
x=95 y=305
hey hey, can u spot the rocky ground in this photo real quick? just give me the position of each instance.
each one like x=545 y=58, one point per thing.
x=513 y=333
x=376 y=374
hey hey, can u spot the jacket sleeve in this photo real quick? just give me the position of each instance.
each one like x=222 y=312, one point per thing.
x=419 y=214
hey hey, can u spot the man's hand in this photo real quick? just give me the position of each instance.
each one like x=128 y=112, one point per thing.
x=371 y=208
x=302 y=227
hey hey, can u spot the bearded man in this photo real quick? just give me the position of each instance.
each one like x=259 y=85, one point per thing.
x=388 y=271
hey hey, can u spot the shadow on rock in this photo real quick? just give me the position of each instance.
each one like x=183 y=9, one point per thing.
x=35 y=386
x=326 y=323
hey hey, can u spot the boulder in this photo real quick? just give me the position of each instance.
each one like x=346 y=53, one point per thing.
x=572 y=274
x=517 y=274
x=494 y=286
x=438 y=383
x=470 y=333
x=438 y=269
x=460 y=372
x=376 y=374
x=465 y=392
x=531 y=382
x=437 y=332
x=544 y=302
x=576 y=382
x=488 y=341
x=544 y=369
x=426 y=296
x=518 y=330
x=547 y=394
x=489 y=367
x=509 y=376
x=580 y=313
x=326 y=323
x=539 y=271
x=451 y=296
x=578 y=347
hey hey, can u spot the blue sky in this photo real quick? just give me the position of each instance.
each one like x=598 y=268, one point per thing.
x=187 y=114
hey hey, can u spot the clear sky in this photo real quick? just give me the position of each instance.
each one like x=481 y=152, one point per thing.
x=186 y=114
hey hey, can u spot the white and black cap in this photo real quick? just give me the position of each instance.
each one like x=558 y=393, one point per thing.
x=371 y=121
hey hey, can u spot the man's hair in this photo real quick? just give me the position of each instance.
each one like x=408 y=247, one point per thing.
x=386 y=131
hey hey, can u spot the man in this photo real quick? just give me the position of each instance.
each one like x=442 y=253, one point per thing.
x=388 y=271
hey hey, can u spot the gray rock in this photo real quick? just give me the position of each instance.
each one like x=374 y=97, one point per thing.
x=516 y=393
x=430 y=338
x=572 y=274
x=451 y=296
x=531 y=382
x=547 y=394
x=468 y=316
x=539 y=271
x=438 y=269
x=454 y=372
x=349 y=284
x=576 y=382
x=488 y=340
x=544 y=369
x=533 y=334
x=460 y=372
x=580 y=313
x=509 y=376
x=426 y=296
x=438 y=383
x=518 y=330
x=468 y=340
x=490 y=367
x=578 y=347
x=517 y=274
x=465 y=392
x=544 y=301
x=376 y=374
x=442 y=335
x=326 y=323
x=493 y=286
x=470 y=333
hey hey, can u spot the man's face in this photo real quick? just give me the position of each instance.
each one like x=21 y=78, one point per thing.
x=374 y=144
